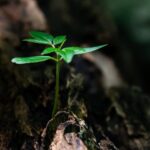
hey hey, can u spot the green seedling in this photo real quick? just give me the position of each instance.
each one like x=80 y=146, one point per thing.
x=54 y=45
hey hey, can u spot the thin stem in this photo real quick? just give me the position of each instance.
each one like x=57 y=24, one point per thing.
x=56 y=101
x=51 y=45
x=62 y=44
x=54 y=59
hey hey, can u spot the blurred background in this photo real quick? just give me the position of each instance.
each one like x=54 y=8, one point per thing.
x=26 y=92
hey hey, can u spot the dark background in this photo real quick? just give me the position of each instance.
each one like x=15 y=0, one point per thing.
x=109 y=88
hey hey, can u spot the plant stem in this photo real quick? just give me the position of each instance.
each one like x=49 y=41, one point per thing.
x=56 y=101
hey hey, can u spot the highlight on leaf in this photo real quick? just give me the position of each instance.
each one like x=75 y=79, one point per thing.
x=91 y=49
x=33 y=59
x=75 y=49
x=59 y=39
x=38 y=41
x=48 y=50
x=41 y=35
x=40 y=38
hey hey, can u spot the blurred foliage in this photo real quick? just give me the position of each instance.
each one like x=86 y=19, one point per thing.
x=133 y=19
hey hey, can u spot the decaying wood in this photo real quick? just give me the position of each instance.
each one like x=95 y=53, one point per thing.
x=68 y=141
x=67 y=132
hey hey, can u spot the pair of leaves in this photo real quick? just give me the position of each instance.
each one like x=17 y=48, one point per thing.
x=44 y=38
x=68 y=52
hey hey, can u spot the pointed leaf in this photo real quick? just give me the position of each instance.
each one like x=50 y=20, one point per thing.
x=59 y=39
x=33 y=59
x=39 y=41
x=69 y=52
x=42 y=36
x=49 y=50
x=90 y=49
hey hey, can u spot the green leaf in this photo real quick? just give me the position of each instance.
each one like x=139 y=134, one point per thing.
x=49 y=50
x=69 y=52
x=59 y=39
x=75 y=50
x=39 y=41
x=41 y=36
x=90 y=49
x=66 y=55
x=33 y=59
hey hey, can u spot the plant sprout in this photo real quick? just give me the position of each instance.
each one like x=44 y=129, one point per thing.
x=54 y=45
